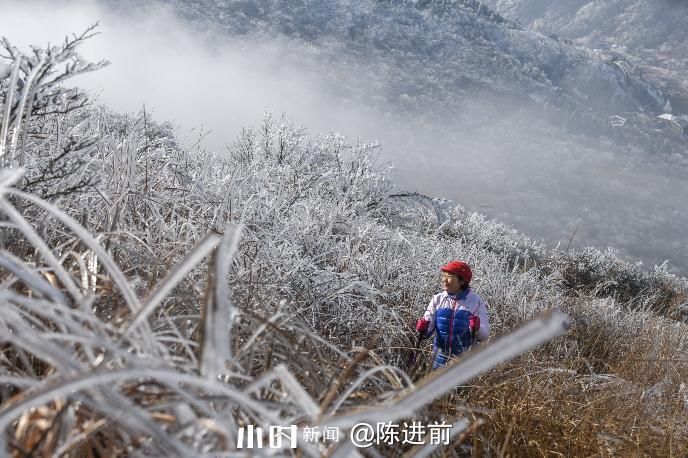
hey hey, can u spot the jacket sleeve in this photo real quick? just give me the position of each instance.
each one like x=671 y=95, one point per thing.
x=484 y=331
x=429 y=315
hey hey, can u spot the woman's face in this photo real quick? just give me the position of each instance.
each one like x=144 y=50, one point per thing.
x=451 y=283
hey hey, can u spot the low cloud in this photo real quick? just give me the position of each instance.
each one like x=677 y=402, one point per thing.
x=191 y=78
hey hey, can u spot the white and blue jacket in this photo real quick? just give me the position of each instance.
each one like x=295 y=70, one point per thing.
x=449 y=315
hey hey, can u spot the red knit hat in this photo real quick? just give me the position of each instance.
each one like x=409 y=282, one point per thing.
x=460 y=269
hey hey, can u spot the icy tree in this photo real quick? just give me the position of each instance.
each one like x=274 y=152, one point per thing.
x=43 y=122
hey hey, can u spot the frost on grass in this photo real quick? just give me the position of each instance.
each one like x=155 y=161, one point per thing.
x=175 y=295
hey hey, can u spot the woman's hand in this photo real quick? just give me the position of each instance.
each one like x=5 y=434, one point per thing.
x=422 y=325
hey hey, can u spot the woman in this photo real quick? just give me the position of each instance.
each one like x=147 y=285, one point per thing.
x=457 y=314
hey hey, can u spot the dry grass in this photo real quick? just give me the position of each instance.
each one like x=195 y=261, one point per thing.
x=599 y=391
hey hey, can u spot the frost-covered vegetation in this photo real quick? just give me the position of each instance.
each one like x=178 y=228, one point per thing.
x=155 y=298
x=439 y=79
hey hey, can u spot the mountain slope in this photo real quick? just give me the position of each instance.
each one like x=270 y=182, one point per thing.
x=129 y=324
x=450 y=86
x=654 y=35
x=636 y=24
x=430 y=53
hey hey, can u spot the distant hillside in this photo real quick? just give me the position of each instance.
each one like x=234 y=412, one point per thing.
x=427 y=53
x=654 y=34
x=637 y=24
